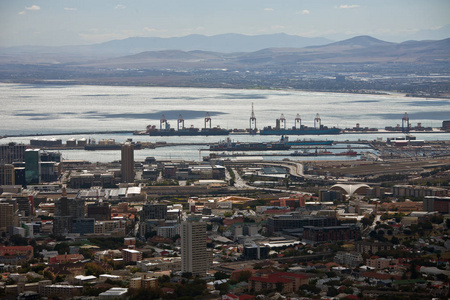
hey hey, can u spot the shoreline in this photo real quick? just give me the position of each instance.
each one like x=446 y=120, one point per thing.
x=74 y=83
x=381 y=131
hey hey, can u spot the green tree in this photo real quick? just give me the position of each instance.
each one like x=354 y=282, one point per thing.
x=245 y=275
x=62 y=248
x=18 y=240
x=94 y=269
x=221 y=275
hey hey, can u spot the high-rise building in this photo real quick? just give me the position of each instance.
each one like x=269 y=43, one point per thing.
x=7 y=175
x=8 y=216
x=32 y=166
x=127 y=163
x=194 y=257
x=153 y=211
x=67 y=210
x=12 y=152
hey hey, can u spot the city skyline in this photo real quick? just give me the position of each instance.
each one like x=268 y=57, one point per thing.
x=55 y=23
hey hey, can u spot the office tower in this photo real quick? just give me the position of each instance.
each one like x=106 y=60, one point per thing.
x=7 y=175
x=19 y=176
x=32 y=166
x=24 y=205
x=194 y=258
x=127 y=163
x=67 y=210
x=12 y=152
x=8 y=215
x=153 y=211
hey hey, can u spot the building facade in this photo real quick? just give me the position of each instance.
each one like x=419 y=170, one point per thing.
x=7 y=174
x=194 y=257
x=439 y=204
x=127 y=163
x=12 y=152
x=32 y=166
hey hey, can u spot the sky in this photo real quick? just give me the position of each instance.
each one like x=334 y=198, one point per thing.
x=77 y=22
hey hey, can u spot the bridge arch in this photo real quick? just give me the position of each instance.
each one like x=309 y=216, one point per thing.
x=350 y=189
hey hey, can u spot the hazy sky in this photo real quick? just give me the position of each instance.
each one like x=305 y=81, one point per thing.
x=64 y=22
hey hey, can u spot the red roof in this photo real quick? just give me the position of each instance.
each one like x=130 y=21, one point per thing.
x=246 y=297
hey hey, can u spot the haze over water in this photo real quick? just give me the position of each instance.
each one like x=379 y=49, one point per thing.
x=31 y=109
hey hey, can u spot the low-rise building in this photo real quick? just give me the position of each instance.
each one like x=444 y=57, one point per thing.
x=114 y=293
x=351 y=259
x=283 y=282
x=368 y=247
x=131 y=255
x=315 y=234
x=381 y=262
x=62 y=291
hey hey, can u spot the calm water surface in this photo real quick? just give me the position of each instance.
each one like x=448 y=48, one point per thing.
x=31 y=109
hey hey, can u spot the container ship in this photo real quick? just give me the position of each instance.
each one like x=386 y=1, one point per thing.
x=304 y=130
x=166 y=130
x=298 y=129
x=191 y=131
x=228 y=145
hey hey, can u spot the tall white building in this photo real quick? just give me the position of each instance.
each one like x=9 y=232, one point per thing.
x=194 y=257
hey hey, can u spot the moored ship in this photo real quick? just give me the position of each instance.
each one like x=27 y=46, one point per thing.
x=310 y=143
x=166 y=130
x=229 y=145
x=191 y=131
x=298 y=129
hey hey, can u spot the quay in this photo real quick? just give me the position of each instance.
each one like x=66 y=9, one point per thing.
x=68 y=133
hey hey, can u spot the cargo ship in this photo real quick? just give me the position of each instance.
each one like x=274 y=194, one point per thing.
x=310 y=143
x=228 y=145
x=303 y=130
x=191 y=131
x=298 y=129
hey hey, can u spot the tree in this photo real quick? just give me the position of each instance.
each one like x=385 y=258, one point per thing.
x=332 y=291
x=94 y=269
x=175 y=237
x=220 y=275
x=245 y=275
x=62 y=248
x=18 y=240
x=366 y=221
x=395 y=240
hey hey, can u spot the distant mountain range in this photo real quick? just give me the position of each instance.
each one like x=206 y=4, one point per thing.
x=224 y=43
x=230 y=50
x=362 y=49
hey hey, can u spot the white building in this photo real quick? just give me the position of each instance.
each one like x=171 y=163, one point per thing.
x=351 y=259
x=168 y=231
x=114 y=293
